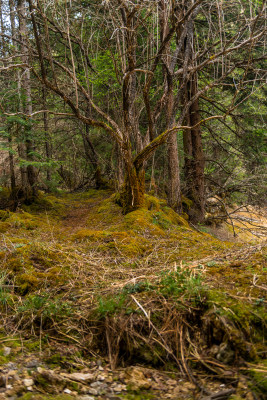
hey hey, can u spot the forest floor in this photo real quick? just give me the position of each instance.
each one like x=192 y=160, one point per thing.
x=98 y=305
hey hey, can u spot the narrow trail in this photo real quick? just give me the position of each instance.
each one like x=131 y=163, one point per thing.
x=77 y=216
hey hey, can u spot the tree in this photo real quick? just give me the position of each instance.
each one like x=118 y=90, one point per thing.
x=138 y=70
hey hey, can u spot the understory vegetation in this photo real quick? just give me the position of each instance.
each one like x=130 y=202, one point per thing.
x=137 y=289
x=133 y=252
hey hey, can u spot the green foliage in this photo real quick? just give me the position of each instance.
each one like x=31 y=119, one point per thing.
x=42 y=305
x=137 y=287
x=5 y=295
x=181 y=281
x=111 y=304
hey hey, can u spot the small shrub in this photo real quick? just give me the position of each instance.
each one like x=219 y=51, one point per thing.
x=110 y=305
x=180 y=282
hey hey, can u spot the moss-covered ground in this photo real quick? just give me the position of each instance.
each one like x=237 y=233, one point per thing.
x=81 y=280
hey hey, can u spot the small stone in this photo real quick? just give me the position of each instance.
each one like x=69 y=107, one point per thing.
x=100 y=368
x=135 y=378
x=86 y=398
x=79 y=377
x=93 y=391
x=11 y=365
x=6 y=351
x=171 y=382
x=225 y=354
x=99 y=385
x=101 y=377
x=28 y=382
x=67 y=391
x=29 y=388
x=118 y=388
x=32 y=364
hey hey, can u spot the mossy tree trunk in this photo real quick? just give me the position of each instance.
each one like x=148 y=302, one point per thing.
x=132 y=195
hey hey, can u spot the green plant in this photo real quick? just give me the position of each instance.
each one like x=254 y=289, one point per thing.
x=41 y=305
x=5 y=296
x=180 y=282
x=111 y=304
x=137 y=287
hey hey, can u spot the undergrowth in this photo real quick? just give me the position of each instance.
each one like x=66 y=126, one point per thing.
x=142 y=287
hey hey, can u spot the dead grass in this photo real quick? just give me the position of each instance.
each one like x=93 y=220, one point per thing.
x=143 y=287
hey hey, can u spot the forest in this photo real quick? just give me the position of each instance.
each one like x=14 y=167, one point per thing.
x=133 y=221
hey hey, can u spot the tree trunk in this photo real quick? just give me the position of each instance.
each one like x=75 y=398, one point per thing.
x=48 y=145
x=194 y=158
x=30 y=189
x=174 y=187
x=133 y=191
x=11 y=165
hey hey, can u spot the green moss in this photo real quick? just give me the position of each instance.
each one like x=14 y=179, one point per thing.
x=152 y=203
x=3 y=359
x=4 y=215
x=259 y=378
x=187 y=203
x=32 y=345
x=4 y=226
x=89 y=235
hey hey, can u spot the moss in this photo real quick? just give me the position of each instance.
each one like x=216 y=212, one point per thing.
x=32 y=345
x=186 y=202
x=141 y=221
x=45 y=202
x=89 y=235
x=152 y=203
x=258 y=374
x=4 y=226
x=26 y=282
x=4 y=215
x=3 y=359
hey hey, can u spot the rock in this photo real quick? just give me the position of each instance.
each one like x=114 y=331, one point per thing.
x=79 y=377
x=117 y=387
x=67 y=391
x=99 y=386
x=86 y=398
x=101 y=377
x=17 y=389
x=135 y=378
x=93 y=391
x=6 y=351
x=32 y=364
x=171 y=382
x=225 y=353
x=28 y=382
x=49 y=379
x=11 y=365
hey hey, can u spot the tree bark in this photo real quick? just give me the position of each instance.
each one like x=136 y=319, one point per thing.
x=194 y=158
x=30 y=189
